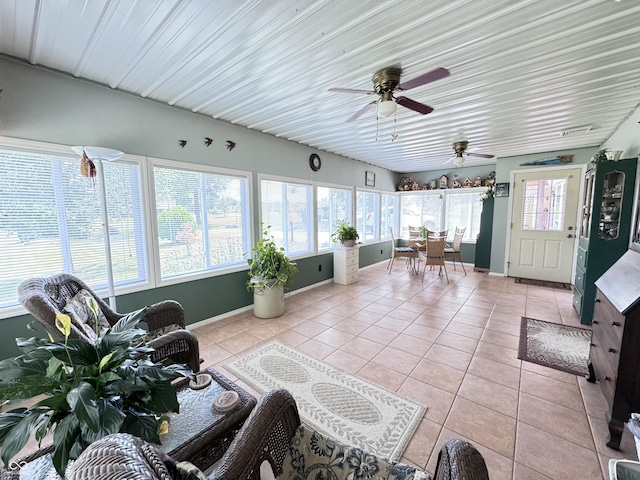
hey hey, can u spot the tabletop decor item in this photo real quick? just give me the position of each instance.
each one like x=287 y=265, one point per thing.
x=91 y=388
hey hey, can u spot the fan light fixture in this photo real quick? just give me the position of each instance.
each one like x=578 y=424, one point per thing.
x=387 y=105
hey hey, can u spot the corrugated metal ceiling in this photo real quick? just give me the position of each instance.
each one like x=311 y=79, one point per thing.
x=522 y=71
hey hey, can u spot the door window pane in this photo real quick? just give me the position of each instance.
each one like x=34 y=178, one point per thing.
x=544 y=204
x=334 y=205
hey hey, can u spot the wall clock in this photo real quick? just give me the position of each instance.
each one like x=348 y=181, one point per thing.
x=314 y=162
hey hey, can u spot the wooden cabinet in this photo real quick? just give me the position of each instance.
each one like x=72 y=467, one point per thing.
x=615 y=342
x=605 y=227
x=346 y=265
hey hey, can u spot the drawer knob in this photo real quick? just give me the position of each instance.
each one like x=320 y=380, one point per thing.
x=615 y=324
x=612 y=350
x=597 y=300
x=593 y=344
x=607 y=379
x=595 y=322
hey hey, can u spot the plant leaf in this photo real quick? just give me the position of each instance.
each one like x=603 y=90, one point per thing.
x=105 y=360
x=27 y=387
x=63 y=323
x=82 y=402
x=65 y=436
x=129 y=321
x=141 y=425
x=111 y=419
x=163 y=399
x=19 y=433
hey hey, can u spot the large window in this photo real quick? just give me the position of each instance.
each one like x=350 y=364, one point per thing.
x=51 y=221
x=390 y=206
x=463 y=209
x=334 y=205
x=421 y=210
x=288 y=208
x=202 y=219
x=368 y=215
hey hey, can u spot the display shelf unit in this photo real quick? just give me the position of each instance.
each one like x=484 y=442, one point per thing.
x=605 y=228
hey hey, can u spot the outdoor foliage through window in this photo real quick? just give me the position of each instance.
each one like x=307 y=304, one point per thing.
x=334 y=205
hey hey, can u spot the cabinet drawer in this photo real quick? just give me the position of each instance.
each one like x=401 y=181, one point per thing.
x=579 y=280
x=607 y=346
x=351 y=260
x=581 y=260
x=606 y=375
x=352 y=277
x=608 y=317
x=577 y=301
x=351 y=268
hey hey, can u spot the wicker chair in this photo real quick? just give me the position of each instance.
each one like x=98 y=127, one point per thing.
x=43 y=297
x=453 y=251
x=405 y=252
x=272 y=433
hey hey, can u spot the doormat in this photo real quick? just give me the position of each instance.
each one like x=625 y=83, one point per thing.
x=544 y=283
x=347 y=408
x=555 y=345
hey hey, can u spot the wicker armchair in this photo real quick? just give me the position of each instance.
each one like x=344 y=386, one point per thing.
x=272 y=433
x=43 y=297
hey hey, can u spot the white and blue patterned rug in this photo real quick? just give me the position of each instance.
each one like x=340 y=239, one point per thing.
x=351 y=410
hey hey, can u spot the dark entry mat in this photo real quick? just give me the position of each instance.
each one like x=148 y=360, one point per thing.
x=544 y=283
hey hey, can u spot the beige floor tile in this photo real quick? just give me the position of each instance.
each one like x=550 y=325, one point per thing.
x=465 y=344
x=520 y=472
x=362 y=348
x=503 y=327
x=240 y=342
x=502 y=339
x=420 y=331
x=441 y=376
x=396 y=360
x=483 y=425
x=379 y=334
x=553 y=456
x=498 y=354
x=309 y=328
x=448 y=356
x=393 y=323
x=329 y=319
x=464 y=330
x=556 y=419
x=413 y=345
x=490 y=394
x=552 y=390
x=422 y=442
x=315 y=349
x=496 y=372
x=437 y=401
x=345 y=361
x=549 y=372
x=383 y=376
x=334 y=337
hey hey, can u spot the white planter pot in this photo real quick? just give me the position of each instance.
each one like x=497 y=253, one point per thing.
x=268 y=302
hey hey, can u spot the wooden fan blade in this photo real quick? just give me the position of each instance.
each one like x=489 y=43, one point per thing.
x=351 y=90
x=361 y=112
x=413 y=105
x=425 y=78
x=481 y=155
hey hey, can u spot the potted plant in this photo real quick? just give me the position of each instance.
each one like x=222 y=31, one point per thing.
x=91 y=388
x=346 y=234
x=600 y=156
x=270 y=270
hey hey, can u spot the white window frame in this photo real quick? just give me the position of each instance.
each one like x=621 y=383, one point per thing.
x=313 y=214
x=351 y=191
x=153 y=220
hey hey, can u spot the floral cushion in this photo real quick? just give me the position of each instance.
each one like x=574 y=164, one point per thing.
x=160 y=332
x=86 y=314
x=183 y=470
x=313 y=455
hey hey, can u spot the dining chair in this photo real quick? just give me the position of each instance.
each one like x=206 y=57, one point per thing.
x=434 y=255
x=396 y=252
x=453 y=251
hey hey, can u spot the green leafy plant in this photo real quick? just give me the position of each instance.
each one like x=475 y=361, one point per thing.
x=269 y=266
x=173 y=222
x=600 y=156
x=345 y=233
x=488 y=193
x=91 y=389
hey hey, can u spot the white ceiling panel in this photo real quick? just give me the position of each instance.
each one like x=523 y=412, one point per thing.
x=521 y=71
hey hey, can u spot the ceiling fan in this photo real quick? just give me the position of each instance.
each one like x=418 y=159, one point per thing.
x=385 y=83
x=460 y=144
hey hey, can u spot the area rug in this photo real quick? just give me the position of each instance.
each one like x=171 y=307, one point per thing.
x=347 y=408
x=555 y=345
x=544 y=283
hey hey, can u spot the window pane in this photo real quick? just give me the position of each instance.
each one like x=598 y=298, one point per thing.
x=202 y=220
x=388 y=214
x=287 y=208
x=51 y=221
x=334 y=205
x=544 y=203
x=420 y=210
x=368 y=216
x=463 y=210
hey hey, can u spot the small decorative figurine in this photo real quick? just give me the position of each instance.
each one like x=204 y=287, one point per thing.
x=467 y=183
x=478 y=181
x=424 y=187
x=444 y=181
x=415 y=186
x=491 y=180
x=433 y=185
x=456 y=183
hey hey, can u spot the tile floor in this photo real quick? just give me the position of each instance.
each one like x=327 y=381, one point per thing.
x=452 y=347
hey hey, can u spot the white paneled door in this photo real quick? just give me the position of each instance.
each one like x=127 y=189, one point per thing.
x=543 y=224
